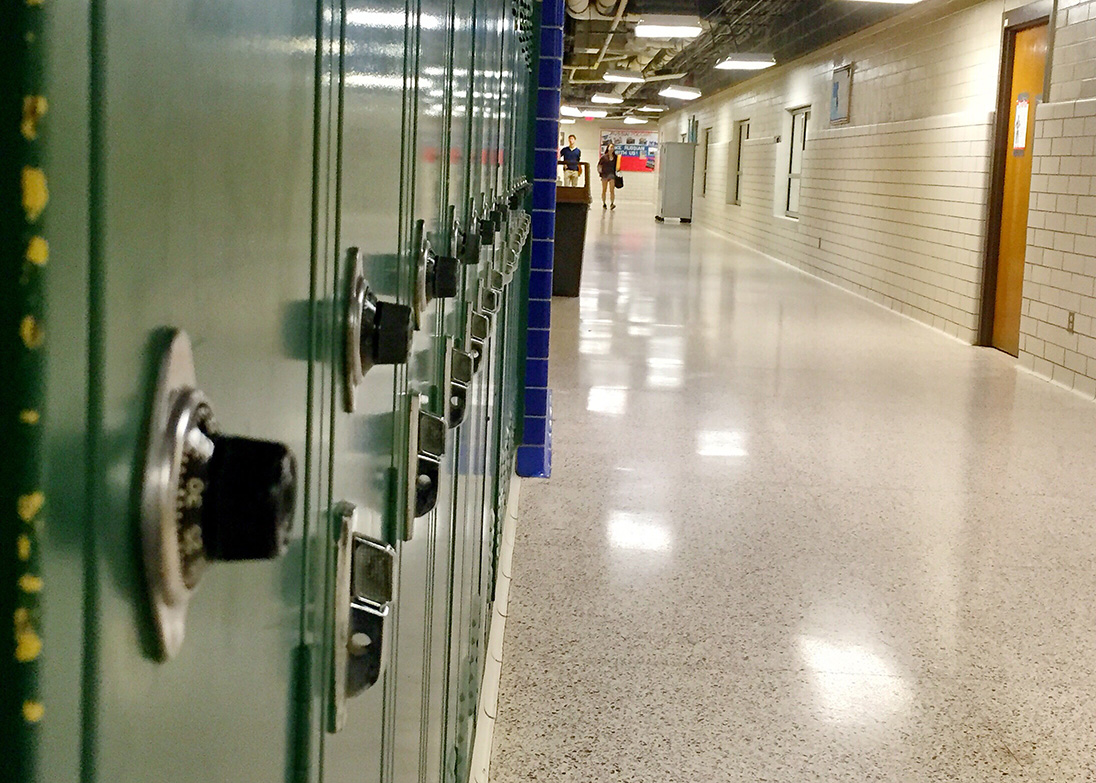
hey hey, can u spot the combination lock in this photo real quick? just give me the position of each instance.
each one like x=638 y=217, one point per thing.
x=205 y=496
x=376 y=332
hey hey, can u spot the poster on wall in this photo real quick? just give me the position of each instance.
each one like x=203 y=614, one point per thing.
x=841 y=92
x=637 y=148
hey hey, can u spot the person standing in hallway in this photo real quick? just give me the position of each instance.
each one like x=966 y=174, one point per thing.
x=570 y=155
x=607 y=167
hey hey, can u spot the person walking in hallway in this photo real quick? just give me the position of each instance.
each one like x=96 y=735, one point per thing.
x=570 y=155
x=607 y=167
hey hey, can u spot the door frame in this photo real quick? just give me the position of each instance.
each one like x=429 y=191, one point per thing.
x=1012 y=22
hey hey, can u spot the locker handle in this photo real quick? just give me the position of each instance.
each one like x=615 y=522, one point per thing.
x=425 y=449
x=364 y=579
x=459 y=369
x=478 y=329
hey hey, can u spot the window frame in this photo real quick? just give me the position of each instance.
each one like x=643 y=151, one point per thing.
x=734 y=179
x=793 y=176
x=707 y=138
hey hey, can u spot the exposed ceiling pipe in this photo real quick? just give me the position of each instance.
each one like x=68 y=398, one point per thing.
x=623 y=4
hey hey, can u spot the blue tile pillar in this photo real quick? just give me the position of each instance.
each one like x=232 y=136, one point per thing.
x=535 y=451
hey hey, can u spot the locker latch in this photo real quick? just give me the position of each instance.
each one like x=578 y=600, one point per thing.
x=364 y=579
x=204 y=496
x=458 y=379
x=376 y=332
x=425 y=449
x=491 y=291
x=477 y=330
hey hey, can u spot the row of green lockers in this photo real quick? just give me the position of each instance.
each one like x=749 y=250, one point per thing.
x=284 y=336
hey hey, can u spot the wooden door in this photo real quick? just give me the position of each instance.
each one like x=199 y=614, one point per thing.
x=1028 y=64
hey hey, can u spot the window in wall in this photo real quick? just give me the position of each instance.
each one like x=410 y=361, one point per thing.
x=734 y=179
x=707 y=157
x=795 y=159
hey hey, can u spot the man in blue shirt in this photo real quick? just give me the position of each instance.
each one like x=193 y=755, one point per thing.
x=570 y=155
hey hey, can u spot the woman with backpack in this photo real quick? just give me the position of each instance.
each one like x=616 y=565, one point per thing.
x=607 y=167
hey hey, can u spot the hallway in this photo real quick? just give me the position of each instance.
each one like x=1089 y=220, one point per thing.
x=792 y=536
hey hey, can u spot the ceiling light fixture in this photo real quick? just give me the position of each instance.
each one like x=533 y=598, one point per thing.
x=746 y=62
x=569 y=111
x=668 y=27
x=635 y=120
x=567 y=121
x=681 y=93
x=627 y=77
x=654 y=108
x=605 y=97
x=888 y=2
x=666 y=77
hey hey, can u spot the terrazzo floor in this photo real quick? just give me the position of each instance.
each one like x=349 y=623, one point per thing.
x=791 y=536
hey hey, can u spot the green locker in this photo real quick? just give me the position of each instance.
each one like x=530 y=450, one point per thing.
x=302 y=212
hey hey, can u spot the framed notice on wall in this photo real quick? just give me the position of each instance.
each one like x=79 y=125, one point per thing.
x=839 y=97
x=637 y=149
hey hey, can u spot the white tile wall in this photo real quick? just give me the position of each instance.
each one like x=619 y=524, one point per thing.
x=1060 y=265
x=893 y=204
x=1073 y=74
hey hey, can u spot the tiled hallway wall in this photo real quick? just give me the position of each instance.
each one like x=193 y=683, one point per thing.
x=892 y=204
x=1060 y=273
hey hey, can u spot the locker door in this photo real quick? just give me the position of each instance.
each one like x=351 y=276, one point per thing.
x=201 y=172
x=392 y=204
x=371 y=220
x=418 y=663
x=463 y=192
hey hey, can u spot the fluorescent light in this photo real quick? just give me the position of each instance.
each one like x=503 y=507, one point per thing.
x=589 y=114
x=889 y=2
x=683 y=93
x=747 y=62
x=567 y=121
x=668 y=26
x=654 y=108
x=605 y=97
x=635 y=120
x=628 y=77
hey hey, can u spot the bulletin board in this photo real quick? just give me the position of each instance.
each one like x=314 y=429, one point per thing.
x=637 y=148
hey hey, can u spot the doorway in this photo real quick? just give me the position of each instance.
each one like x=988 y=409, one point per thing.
x=1023 y=76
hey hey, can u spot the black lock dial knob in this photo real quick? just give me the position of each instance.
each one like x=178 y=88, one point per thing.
x=443 y=277
x=247 y=506
x=389 y=341
x=487 y=231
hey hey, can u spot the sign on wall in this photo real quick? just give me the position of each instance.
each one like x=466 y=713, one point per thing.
x=637 y=149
